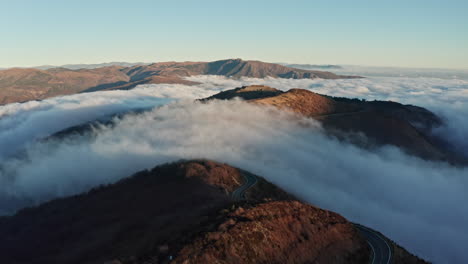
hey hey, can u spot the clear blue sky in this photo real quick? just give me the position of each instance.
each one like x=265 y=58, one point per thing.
x=408 y=33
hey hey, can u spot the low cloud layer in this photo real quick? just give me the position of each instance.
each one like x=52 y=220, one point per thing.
x=369 y=71
x=448 y=98
x=22 y=123
x=416 y=203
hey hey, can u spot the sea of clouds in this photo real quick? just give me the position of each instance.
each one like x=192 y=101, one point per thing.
x=369 y=71
x=419 y=204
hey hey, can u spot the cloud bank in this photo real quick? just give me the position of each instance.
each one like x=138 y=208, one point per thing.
x=416 y=203
x=369 y=71
x=447 y=98
x=22 y=123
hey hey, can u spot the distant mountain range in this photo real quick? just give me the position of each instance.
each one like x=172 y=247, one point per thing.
x=90 y=66
x=82 y=66
x=130 y=64
x=23 y=84
x=313 y=66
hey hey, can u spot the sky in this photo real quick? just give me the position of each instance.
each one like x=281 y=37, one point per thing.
x=427 y=34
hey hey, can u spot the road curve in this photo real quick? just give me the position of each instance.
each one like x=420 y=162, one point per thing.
x=381 y=249
x=249 y=181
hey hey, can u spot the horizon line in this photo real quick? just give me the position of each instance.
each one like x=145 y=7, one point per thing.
x=181 y=61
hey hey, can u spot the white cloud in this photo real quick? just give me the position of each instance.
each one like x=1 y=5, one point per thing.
x=448 y=98
x=369 y=71
x=22 y=123
x=410 y=200
x=419 y=204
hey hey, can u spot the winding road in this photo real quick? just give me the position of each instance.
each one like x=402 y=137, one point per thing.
x=249 y=181
x=381 y=249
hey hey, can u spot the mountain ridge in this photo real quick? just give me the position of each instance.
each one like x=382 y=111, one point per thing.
x=18 y=84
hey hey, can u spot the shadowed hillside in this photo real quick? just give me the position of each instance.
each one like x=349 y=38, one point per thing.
x=166 y=207
x=182 y=212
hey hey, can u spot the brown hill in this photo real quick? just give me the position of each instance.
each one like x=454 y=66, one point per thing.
x=307 y=103
x=18 y=85
x=230 y=68
x=277 y=232
x=298 y=100
x=183 y=212
x=383 y=123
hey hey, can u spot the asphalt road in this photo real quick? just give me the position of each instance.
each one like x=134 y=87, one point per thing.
x=381 y=250
x=249 y=181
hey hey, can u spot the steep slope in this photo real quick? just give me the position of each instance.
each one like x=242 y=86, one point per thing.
x=17 y=85
x=182 y=212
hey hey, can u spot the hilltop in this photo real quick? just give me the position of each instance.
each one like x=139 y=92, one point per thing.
x=184 y=212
